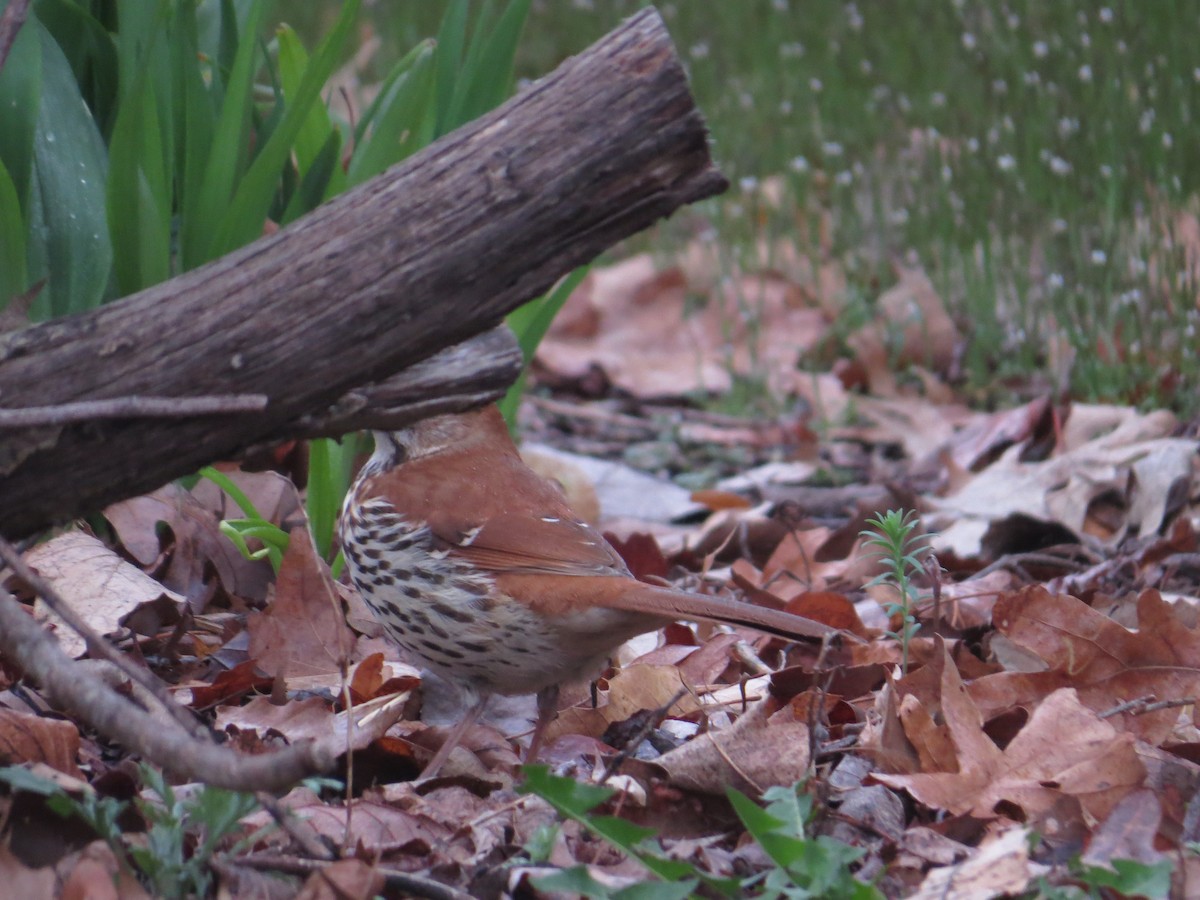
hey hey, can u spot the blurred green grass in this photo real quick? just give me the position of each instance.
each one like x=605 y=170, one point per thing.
x=1031 y=157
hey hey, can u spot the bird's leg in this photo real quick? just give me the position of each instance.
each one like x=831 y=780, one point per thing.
x=547 y=707
x=470 y=717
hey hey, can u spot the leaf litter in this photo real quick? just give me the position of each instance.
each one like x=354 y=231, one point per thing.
x=1048 y=711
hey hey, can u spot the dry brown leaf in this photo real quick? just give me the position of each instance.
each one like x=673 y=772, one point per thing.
x=1104 y=662
x=999 y=868
x=313 y=719
x=913 y=305
x=26 y=738
x=303 y=633
x=1128 y=832
x=1065 y=489
x=1064 y=750
x=98 y=585
x=633 y=322
x=920 y=427
x=986 y=436
x=630 y=691
x=197 y=544
x=346 y=879
x=376 y=827
x=758 y=751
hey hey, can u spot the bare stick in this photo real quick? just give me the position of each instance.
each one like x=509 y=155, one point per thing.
x=432 y=252
x=97 y=646
x=408 y=882
x=131 y=408
x=88 y=699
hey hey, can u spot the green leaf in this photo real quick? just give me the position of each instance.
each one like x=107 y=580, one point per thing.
x=567 y=795
x=530 y=324
x=330 y=470
x=91 y=51
x=451 y=38
x=323 y=179
x=12 y=240
x=397 y=119
x=209 y=203
x=20 y=98
x=317 y=128
x=139 y=191
x=1132 y=878
x=20 y=778
x=487 y=74
x=243 y=220
x=195 y=114
x=657 y=890
x=69 y=243
x=574 y=800
x=575 y=880
x=225 y=483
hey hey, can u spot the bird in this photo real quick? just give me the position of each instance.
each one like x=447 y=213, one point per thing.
x=478 y=567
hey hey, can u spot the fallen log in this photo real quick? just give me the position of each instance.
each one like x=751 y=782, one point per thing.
x=434 y=251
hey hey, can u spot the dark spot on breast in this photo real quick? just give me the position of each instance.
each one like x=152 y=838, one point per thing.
x=411 y=591
x=453 y=654
x=450 y=612
x=403 y=574
x=385 y=579
x=474 y=647
x=373 y=552
x=440 y=632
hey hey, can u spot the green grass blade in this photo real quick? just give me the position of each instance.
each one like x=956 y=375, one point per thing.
x=317 y=127
x=20 y=97
x=398 y=122
x=195 y=113
x=70 y=246
x=138 y=192
x=451 y=38
x=12 y=240
x=530 y=324
x=330 y=467
x=242 y=221
x=487 y=75
x=323 y=179
x=209 y=204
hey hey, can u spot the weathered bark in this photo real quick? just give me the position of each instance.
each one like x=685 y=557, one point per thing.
x=432 y=252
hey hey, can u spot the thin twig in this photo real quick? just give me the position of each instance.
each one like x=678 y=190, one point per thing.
x=88 y=699
x=131 y=408
x=97 y=646
x=1147 y=704
x=643 y=732
x=415 y=885
x=298 y=829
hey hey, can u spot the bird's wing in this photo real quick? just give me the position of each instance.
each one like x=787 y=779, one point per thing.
x=521 y=543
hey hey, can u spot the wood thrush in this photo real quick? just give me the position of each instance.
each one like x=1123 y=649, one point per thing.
x=477 y=566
